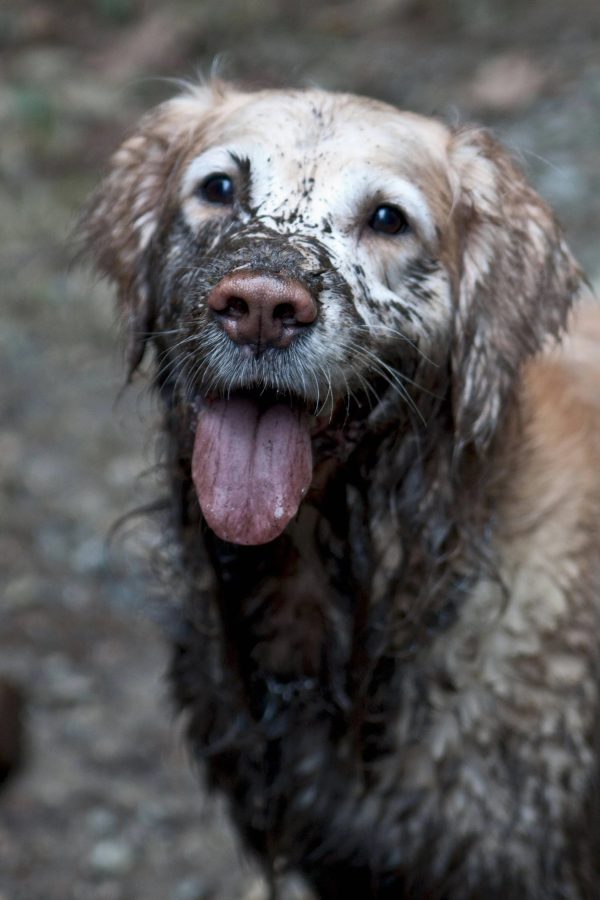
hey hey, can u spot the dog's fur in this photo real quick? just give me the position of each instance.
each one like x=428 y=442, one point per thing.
x=400 y=694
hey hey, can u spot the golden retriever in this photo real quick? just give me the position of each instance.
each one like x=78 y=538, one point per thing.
x=385 y=481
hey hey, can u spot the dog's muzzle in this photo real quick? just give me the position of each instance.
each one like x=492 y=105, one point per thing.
x=252 y=460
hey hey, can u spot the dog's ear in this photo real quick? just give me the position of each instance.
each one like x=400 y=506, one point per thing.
x=516 y=281
x=123 y=215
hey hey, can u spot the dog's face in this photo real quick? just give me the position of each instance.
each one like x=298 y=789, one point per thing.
x=297 y=255
x=343 y=197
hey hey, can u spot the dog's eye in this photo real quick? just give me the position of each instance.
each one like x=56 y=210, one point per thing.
x=389 y=220
x=218 y=189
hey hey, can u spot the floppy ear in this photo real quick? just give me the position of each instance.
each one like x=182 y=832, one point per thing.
x=122 y=216
x=516 y=281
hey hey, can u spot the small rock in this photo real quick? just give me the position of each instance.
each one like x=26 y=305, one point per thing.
x=64 y=685
x=89 y=556
x=192 y=888
x=293 y=888
x=22 y=593
x=111 y=857
x=101 y=821
x=256 y=889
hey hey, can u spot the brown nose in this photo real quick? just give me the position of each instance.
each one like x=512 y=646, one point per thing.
x=262 y=310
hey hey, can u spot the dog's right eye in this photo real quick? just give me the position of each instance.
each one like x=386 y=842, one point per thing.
x=217 y=189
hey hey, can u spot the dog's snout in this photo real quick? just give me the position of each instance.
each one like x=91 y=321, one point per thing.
x=262 y=310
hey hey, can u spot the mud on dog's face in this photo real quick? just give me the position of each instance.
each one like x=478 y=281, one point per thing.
x=296 y=257
x=291 y=193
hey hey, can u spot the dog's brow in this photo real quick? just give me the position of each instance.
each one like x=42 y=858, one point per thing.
x=241 y=161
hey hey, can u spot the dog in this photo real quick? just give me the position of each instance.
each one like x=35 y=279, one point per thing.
x=383 y=462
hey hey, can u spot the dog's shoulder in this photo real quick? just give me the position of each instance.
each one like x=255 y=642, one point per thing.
x=561 y=401
x=551 y=488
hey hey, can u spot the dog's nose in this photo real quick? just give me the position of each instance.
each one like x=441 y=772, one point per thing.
x=262 y=310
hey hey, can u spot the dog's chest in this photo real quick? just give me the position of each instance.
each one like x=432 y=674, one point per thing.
x=459 y=742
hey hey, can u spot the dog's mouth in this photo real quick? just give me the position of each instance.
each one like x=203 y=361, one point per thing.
x=252 y=464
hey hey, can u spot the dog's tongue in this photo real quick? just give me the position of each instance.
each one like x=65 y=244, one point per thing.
x=251 y=468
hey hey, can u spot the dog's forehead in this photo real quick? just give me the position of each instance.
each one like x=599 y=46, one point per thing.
x=321 y=127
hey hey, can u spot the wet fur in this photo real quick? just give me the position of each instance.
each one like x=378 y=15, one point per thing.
x=400 y=694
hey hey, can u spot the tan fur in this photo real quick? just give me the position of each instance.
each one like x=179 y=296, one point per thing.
x=524 y=666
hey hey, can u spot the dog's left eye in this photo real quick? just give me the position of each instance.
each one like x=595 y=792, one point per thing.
x=218 y=189
x=389 y=220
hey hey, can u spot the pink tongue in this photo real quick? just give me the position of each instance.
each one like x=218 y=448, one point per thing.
x=251 y=468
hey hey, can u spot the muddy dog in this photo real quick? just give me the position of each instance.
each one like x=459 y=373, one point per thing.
x=385 y=488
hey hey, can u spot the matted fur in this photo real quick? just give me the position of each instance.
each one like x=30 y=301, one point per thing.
x=400 y=694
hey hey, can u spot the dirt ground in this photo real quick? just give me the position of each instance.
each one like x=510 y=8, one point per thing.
x=107 y=806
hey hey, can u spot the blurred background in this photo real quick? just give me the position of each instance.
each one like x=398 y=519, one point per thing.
x=106 y=805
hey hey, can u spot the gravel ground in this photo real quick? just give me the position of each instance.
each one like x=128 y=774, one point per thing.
x=107 y=806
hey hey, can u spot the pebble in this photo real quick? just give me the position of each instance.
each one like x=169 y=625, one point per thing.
x=192 y=888
x=21 y=593
x=101 y=821
x=111 y=857
x=64 y=685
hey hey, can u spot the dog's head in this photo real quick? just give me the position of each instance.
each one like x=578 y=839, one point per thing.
x=296 y=255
